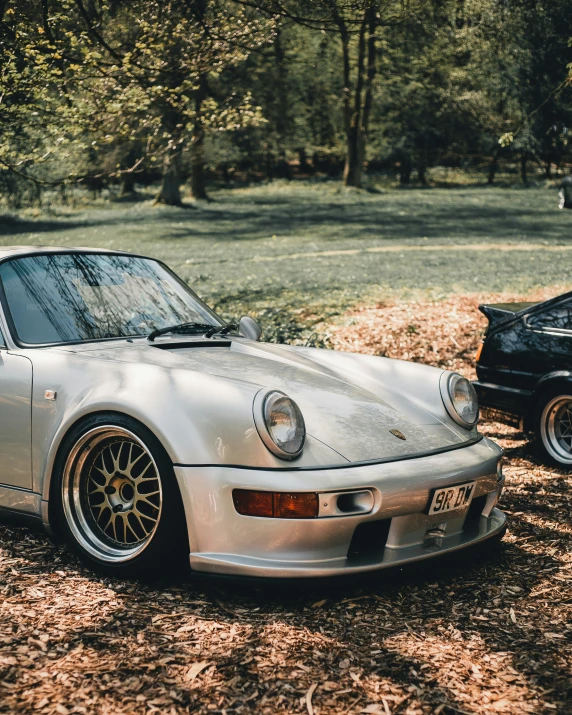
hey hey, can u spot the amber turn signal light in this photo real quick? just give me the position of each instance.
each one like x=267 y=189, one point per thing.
x=279 y=505
x=479 y=351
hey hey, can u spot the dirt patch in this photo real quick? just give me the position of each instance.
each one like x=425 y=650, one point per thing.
x=447 y=247
x=485 y=634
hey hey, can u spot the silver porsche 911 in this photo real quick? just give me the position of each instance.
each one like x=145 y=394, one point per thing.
x=140 y=426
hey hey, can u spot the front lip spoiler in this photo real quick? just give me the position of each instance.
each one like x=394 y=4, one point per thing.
x=408 y=558
x=345 y=465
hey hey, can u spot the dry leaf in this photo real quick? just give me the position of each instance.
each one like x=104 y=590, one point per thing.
x=195 y=669
x=309 y=698
x=500 y=704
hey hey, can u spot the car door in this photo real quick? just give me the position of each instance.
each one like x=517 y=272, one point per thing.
x=15 y=419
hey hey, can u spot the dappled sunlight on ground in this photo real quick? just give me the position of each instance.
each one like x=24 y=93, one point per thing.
x=486 y=633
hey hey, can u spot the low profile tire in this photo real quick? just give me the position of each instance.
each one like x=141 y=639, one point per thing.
x=553 y=427
x=117 y=499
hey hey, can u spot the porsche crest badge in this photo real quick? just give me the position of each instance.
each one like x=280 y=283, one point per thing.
x=397 y=433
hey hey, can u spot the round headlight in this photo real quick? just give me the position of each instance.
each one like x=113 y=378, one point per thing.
x=280 y=424
x=460 y=398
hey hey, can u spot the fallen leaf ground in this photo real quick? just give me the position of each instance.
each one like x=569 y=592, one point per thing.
x=488 y=633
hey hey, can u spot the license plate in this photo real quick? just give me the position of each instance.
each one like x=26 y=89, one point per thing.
x=451 y=498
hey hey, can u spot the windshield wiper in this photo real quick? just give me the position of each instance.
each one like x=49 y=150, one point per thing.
x=180 y=328
x=220 y=331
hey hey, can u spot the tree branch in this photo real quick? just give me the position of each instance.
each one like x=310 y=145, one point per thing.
x=95 y=33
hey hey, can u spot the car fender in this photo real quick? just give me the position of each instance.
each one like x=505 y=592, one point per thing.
x=199 y=419
x=545 y=383
x=176 y=405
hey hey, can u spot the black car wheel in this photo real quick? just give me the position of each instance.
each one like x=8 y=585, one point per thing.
x=117 y=499
x=553 y=427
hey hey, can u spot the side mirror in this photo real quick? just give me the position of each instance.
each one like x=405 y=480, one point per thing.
x=249 y=328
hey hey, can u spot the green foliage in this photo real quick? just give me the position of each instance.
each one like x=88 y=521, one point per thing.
x=103 y=90
x=88 y=78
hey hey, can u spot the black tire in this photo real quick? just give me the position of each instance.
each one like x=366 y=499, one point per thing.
x=116 y=500
x=553 y=438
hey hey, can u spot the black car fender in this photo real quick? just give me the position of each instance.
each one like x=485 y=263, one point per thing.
x=547 y=383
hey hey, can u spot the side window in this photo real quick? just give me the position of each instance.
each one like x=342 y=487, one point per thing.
x=557 y=318
x=2 y=341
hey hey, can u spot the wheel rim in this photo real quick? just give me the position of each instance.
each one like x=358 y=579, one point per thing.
x=556 y=428
x=112 y=494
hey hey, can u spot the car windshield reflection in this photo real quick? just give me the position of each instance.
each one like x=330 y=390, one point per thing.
x=62 y=298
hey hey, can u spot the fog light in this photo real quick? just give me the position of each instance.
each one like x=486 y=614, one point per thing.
x=280 y=505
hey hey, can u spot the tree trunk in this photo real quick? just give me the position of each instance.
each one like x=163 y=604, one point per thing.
x=405 y=167
x=127 y=185
x=198 y=178
x=523 y=167
x=283 y=103
x=493 y=168
x=282 y=168
x=304 y=167
x=269 y=164
x=548 y=170
x=354 y=140
x=170 y=191
x=355 y=150
x=356 y=128
x=347 y=112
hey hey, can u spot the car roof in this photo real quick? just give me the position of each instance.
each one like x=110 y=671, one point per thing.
x=12 y=251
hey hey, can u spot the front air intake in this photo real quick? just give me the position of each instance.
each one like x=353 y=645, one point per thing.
x=369 y=538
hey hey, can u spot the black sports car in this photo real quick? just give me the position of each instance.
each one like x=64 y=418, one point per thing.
x=524 y=369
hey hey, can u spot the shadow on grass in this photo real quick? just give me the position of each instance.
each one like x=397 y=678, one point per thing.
x=13 y=225
x=431 y=213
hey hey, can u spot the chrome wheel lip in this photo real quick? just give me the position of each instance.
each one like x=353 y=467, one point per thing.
x=551 y=428
x=71 y=496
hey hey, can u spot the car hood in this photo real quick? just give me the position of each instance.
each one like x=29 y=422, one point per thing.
x=358 y=423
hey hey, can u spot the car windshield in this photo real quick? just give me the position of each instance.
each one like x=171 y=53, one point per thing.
x=73 y=297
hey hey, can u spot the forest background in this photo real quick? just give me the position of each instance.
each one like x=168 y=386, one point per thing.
x=190 y=93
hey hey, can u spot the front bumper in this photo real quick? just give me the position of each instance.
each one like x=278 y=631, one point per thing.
x=396 y=531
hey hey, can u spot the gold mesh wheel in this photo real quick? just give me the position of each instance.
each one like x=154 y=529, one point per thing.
x=111 y=493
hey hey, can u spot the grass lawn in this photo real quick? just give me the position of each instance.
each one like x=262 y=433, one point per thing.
x=294 y=253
